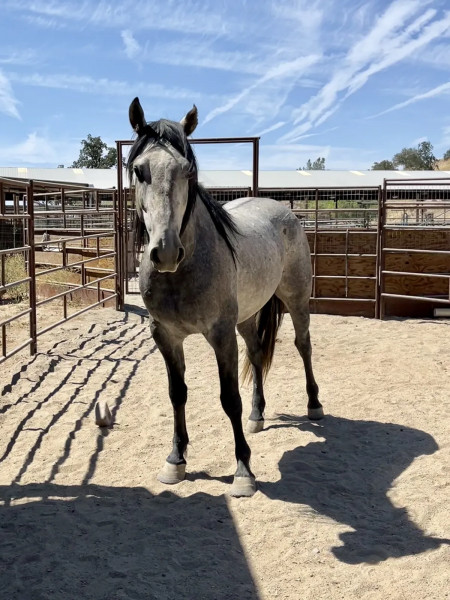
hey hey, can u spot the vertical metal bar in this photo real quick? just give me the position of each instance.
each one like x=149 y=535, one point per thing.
x=63 y=207
x=378 y=251
x=64 y=264
x=2 y=270
x=382 y=244
x=117 y=281
x=255 y=167
x=316 y=244
x=346 y=262
x=32 y=268
x=119 y=241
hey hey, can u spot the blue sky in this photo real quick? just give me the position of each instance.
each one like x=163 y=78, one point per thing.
x=353 y=81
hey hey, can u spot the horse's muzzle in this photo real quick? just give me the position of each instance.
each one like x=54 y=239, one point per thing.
x=166 y=259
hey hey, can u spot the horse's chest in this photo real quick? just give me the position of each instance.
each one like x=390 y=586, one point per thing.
x=186 y=307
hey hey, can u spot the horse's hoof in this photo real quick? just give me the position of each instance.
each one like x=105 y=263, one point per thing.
x=103 y=417
x=243 y=487
x=315 y=414
x=254 y=426
x=172 y=474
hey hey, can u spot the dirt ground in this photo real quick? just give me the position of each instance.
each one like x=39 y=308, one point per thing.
x=355 y=506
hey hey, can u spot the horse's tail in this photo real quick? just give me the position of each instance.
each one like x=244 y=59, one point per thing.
x=268 y=322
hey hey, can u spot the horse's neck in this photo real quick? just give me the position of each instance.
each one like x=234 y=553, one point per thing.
x=200 y=231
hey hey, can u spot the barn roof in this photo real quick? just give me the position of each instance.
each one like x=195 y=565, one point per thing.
x=107 y=178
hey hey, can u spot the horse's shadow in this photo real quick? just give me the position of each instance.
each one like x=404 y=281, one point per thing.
x=347 y=476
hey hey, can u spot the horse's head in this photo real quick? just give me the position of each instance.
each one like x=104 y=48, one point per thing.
x=162 y=166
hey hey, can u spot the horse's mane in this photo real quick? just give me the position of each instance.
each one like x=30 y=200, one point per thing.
x=167 y=132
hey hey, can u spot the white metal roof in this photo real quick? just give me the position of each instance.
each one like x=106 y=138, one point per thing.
x=107 y=178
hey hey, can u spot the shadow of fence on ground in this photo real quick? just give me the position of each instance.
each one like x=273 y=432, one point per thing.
x=98 y=542
x=105 y=543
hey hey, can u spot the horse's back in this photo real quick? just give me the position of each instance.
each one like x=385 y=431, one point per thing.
x=272 y=251
x=264 y=221
x=261 y=208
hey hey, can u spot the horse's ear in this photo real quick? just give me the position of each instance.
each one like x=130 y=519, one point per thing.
x=190 y=121
x=137 y=118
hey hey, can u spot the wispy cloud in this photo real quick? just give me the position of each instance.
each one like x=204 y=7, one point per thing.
x=8 y=102
x=202 y=54
x=38 y=150
x=396 y=34
x=284 y=74
x=15 y=57
x=437 y=91
x=132 y=47
x=90 y=85
x=273 y=127
x=165 y=15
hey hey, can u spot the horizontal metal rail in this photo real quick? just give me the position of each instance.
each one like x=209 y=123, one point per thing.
x=10 y=217
x=75 y=287
x=416 y=251
x=356 y=277
x=439 y=300
x=16 y=350
x=411 y=274
x=19 y=315
x=15 y=250
x=76 y=314
x=7 y=286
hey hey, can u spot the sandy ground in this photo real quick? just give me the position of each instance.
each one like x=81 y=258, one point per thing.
x=355 y=506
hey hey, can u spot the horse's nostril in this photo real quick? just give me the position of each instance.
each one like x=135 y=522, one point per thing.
x=180 y=255
x=154 y=256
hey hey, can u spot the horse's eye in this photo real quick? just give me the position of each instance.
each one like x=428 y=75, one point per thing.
x=143 y=174
x=138 y=174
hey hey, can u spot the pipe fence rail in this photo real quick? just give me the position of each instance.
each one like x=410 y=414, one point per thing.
x=59 y=247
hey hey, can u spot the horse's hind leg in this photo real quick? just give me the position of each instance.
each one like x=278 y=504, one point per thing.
x=172 y=350
x=249 y=332
x=300 y=319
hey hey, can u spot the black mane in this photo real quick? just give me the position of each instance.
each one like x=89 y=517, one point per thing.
x=167 y=132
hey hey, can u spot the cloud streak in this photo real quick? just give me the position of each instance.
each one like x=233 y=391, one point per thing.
x=396 y=35
x=8 y=102
x=284 y=74
x=163 y=15
x=437 y=91
x=90 y=85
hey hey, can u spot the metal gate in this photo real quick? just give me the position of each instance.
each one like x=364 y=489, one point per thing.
x=414 y=273
x=59 y=248
x=376 y=252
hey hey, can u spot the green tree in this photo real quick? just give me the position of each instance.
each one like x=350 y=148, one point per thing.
x=317 y=165
x=95 y=154
x=447 y=155
x=416 y=159
x=383 y=165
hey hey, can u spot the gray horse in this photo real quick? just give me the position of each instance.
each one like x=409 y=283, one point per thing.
x=210 y=269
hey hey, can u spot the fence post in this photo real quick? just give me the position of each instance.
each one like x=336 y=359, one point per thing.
x=32 y=268
x=380 y=250
x=119 y=203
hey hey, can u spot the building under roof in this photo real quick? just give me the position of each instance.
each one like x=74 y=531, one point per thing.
x=269 y=180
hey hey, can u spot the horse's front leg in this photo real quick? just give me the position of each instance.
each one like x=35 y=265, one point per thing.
x=223 y=340
x=172 y=350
